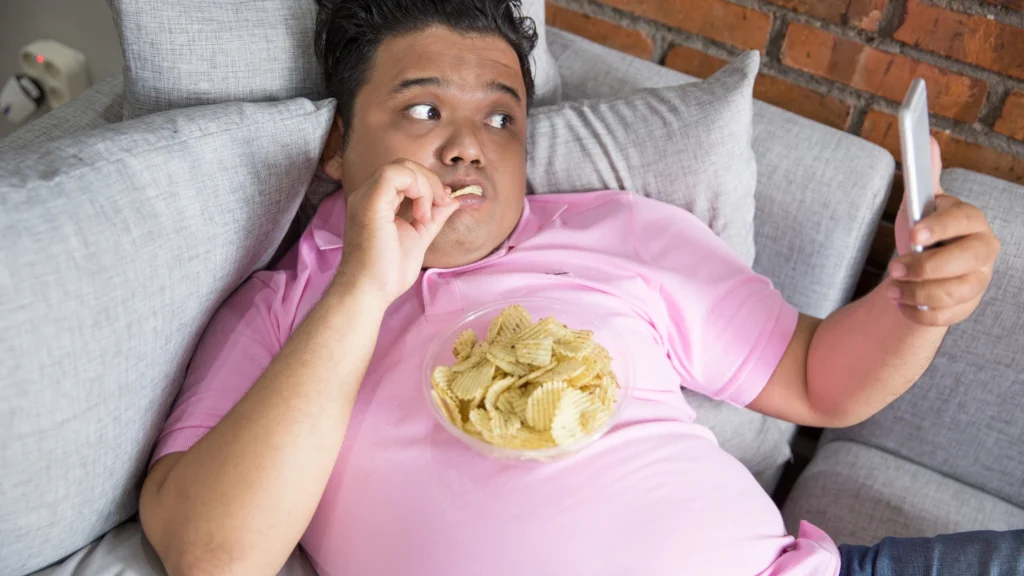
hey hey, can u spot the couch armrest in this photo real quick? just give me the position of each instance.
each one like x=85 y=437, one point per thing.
x=820 y=191
x=98 y=106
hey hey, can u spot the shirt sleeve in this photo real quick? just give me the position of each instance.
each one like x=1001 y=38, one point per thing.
x=237 y=346
x=726 y=326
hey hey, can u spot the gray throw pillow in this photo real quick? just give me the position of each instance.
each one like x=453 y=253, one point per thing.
x=190 y=52
x=116 y=247
x=687 y=145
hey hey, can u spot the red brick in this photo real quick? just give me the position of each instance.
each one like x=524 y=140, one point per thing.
x=693 y=62
x=976 y=39
x=801 y=100
x=601 y=31
x=1011 y=122
x=881 y=128
x=887 y=75
x=716 y=19
x=864 y=14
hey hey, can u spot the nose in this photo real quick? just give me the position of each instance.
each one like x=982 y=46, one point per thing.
x=462 y=147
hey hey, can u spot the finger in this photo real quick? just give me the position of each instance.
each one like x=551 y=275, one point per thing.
x=951 y=219
x=957 y=258
x=394 y=182
x=936 y=165
x=429 y=230
x=939 y=316
x=430 y=192
x=945 y=293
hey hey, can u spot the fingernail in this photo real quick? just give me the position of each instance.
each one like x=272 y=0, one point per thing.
x=894 y=293
x=923 y=235
x=898 y=270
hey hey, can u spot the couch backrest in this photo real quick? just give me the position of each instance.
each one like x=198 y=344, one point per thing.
x=820 y=192
x=965 y=416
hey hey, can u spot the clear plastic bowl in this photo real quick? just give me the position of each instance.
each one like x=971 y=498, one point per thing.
x=570 y=314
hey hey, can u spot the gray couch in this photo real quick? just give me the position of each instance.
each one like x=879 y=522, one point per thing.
x=946 y=457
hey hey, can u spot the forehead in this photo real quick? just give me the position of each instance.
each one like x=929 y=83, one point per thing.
x=465 y=59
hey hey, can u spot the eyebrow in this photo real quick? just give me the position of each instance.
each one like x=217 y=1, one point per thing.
x=436 y=82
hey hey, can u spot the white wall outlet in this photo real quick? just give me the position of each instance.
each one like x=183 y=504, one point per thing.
x=60 y=69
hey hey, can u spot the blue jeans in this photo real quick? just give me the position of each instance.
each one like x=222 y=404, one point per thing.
x=964 y=554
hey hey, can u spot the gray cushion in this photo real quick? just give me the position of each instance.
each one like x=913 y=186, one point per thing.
x=98 y=106
x=190 y=52
x=686 y=145
x=859 y=495
x=124 y=551
x=965 y=417
x=116 y=246
x=820 y=191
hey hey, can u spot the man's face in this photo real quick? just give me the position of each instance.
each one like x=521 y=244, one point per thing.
x=457 y=105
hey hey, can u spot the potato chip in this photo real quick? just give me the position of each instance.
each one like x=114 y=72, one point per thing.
x=509 y=400
x=464 y=344
x=493 y=328
x=442 y=377
x=595 y=417
x=472 y=189
x=566 y=425
x=536 y=374
x=470 y=383
x=449 y=408
x=527 y=438
x=563 y=371
x=504 y=357
x=476 y=356
x=545 y=328
x=541 y=406
x=496 y=389
x=480 y=420
x=535 y=352
x=515 y=319
x=585 y=376
x=503 y=425
x=572 y=348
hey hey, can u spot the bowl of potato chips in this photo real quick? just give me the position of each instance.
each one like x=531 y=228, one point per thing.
x=514 y=382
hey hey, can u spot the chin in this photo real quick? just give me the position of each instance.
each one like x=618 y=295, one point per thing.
x=451 y=252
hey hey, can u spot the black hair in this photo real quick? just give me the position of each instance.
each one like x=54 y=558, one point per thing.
x=349 y=32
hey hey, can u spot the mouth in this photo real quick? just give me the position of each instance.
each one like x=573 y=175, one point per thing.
x=469 y=192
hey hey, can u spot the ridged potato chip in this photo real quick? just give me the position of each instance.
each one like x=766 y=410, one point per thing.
x=541 y=406
x=572 y=348
x=504 y=425
x=514 y=320
x=449 y=408
x=563 y=371
x=468 y=384
x=496 y=389
x=566 y=425
x=464 y=345
x=547 y=327
x=504 y=357
x=535 y=352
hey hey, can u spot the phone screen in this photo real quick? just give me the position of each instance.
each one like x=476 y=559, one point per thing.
x=915 y=143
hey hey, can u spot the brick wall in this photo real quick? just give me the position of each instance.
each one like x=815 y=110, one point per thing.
x=847 y=64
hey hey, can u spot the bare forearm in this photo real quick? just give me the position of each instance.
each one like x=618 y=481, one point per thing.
x=240 y=499
x=864 y=356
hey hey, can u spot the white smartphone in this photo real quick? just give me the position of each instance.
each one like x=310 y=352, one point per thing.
x=915 y=143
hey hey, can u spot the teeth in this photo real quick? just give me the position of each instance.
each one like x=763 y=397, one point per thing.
x=474 y=189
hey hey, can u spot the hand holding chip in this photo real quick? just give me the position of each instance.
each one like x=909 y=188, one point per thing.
x=384 y=252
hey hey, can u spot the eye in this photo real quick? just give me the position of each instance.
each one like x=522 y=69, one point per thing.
x=499 y=121
x=424 y=112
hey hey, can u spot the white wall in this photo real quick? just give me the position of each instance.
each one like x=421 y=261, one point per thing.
x=85 y=25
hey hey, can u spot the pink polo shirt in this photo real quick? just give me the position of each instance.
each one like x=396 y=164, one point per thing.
x=655 y=496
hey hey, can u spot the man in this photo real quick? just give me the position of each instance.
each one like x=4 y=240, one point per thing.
x=432 y=97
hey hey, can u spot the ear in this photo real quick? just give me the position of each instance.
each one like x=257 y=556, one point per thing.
x=334 y=150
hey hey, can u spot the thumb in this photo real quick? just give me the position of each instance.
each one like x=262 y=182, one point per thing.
x=429 y=230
